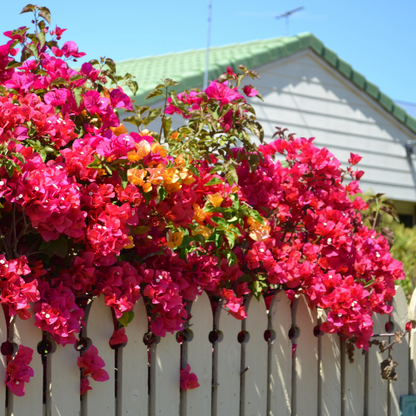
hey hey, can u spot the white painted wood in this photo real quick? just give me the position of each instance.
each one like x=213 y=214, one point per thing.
x=199 y=357
x=24 y=332
x=330 y=373
x=99 y=328
x=354 y=374
x=377 y=387
x=255 y=379
x=165 y=377
x=280 y=351
x=227 y=366
x=305 y=385
x=3 y=363
x=64 y=381
x=412 y=345
x=400 y=353
x=132 y=381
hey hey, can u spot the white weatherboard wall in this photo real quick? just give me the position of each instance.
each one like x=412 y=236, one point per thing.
x=306 y=95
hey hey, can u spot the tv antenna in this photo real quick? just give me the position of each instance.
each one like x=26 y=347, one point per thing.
x=286 y=15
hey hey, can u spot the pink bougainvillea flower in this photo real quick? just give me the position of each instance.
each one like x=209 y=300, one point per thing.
x=119 y=337
x=250 y=91
x=189 y=380
x=92 y=365
x=222 y=92
x=354 y=158
x=18 y=371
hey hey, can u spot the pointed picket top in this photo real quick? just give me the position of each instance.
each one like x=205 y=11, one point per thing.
x=280 y=356
x=255 y=378
x=400 y=387
x=330 y=372
x=305 y=381
x=24 y=332
x=377 y=387
x=132 y=381
x=227 y=365
x=99 y=329
x=197 y=352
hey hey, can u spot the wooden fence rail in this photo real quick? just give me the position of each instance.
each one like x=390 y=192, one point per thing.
x=274 y=375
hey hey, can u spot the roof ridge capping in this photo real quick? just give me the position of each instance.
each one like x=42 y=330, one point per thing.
x=260 y=52
x=305 y=40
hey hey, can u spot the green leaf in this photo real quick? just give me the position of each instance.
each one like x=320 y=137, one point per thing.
x=133 y=85
x=126 y=318
x=93 y=62
x=253 y=161
x=58 y=81
x=19 y=157
x=136 y=120
x=167 y=124
x=142 y=109
x=230 y=238
x=34 y=50
x=111 y=64
x=152 y=116
x=216 y=169
x=123 y=176
x=162 y=193
x=154 y=93
x=28 y=8
x=13 y=64
x=194 y=170
x=77 y=95
x=46 y=14
x=10 y=167
x=169 y=82
x=41 y=36
x=213 y=181
x=57 y=247
x=76 y=77
x=256 y=216
x=220 y=221
x=232 y=176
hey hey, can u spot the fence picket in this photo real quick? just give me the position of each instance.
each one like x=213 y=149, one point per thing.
x=99 y=328
x=24 y=332
x=305 y=394
x=132 y=379
x=165 y=377
x=354 y=382
x=400 y=353
x=255 y=379
x=330 y=373
x=280 y=356
x=377 y=387
x=227 y=366
x=198 y=354
x=64 y=381
x=412 y=343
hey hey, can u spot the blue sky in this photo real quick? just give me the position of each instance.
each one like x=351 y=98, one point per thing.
x=376 y=37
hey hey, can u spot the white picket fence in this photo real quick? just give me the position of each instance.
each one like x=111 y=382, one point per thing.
x=253 y=378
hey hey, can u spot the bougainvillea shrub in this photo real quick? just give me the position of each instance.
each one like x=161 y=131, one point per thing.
x=89 y=209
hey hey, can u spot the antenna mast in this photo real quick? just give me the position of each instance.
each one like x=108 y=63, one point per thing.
x=208 y=43
x=286 y=16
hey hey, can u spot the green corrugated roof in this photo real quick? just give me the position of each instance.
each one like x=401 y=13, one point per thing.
x=188 y=67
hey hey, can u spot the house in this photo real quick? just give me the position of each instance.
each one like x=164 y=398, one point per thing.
x=310 y=90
